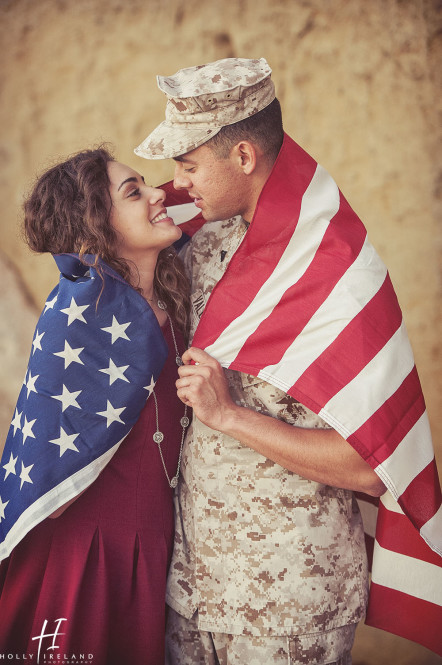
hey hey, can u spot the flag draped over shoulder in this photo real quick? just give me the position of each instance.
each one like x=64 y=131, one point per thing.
x=316 y=316
x=96 y=355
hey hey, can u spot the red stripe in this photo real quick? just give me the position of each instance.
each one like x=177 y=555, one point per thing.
x=252 y=264
x=175 y=196
x=395 y=532
x=404 y=615
x=423 y=496
x=359 y=342
x=386 y=428
x=301 y=301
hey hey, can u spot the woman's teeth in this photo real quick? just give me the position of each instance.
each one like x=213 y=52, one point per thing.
x=159 y=217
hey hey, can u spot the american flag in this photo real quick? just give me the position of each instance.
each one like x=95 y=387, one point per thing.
x=94 y=362
x=317 y=317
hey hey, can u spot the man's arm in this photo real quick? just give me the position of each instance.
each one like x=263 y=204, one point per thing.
x=321 y=455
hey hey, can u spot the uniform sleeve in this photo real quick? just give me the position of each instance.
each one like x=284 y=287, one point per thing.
x=255 y=393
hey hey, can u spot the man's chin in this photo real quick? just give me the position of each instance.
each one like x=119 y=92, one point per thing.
x=212 y=216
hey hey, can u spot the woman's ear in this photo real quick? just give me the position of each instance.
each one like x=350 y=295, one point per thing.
x=245 y=155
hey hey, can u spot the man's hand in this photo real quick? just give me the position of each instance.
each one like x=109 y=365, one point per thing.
x=203 y=386
x=318 y=454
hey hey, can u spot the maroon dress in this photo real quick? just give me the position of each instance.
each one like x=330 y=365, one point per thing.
x=102 y=565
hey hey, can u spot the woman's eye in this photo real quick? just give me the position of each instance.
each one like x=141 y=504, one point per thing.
x=134 y=192
x=191 y=170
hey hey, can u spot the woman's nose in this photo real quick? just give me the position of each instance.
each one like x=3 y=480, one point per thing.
x=157 y=195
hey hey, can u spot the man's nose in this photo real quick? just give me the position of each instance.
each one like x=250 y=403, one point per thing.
x=181 y=179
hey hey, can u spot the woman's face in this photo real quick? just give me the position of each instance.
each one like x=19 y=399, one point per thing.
x=138 y=214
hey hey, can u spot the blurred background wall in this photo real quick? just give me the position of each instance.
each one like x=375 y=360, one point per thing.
x=359 y=82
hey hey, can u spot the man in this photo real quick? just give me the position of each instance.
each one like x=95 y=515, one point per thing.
x=269 y=563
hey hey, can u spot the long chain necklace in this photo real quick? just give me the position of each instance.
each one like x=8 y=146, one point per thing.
x=158 y=436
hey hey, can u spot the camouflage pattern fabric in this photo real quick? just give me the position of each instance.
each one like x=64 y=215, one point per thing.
x=187 y=645
x=258 y=550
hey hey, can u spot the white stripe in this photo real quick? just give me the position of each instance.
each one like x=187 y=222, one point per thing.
x=54 y=499
x=330 y=319
x=409 y=458
x=374 y=384
x=320 y=204
x=369 y=514
x=182 y=213
x=391 y=504
x=431 y=532
x=403 y=573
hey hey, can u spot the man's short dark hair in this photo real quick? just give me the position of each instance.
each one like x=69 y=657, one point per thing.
x=264 y=128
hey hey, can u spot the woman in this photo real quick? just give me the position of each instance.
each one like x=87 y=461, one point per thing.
x=87 y=579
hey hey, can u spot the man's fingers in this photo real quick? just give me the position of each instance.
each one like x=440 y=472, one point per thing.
x=196 y=370
x=182 y=395
x=198 y=356
x=195 y=382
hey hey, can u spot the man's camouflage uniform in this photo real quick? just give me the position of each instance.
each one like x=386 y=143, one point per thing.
x=259 y=550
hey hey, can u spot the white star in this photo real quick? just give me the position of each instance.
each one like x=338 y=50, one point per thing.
x=49 y=304
x=2 y=508
x=16 y=422
x=27 y=429
x=117 y=330
x=70 y=355
x=67 y=398
x=37 y=342
x=65 y=441
x=151 y=386
x=74 y=312
x=10 y=466
x=115 y=372
x=24 y=474
x=30 y=383
x=111 y=414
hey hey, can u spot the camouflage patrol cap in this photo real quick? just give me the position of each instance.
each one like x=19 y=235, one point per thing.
x=202 y=100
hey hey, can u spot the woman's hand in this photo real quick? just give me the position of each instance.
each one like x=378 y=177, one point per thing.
x=203 y=386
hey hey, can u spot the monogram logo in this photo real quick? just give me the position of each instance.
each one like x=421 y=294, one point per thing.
x=44 y=636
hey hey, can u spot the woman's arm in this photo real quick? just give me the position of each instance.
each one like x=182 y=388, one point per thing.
x=62 y=508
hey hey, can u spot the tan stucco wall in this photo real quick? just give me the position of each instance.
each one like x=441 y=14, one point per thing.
x=359 y=82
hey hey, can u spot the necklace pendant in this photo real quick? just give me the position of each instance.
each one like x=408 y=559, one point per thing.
x=161 y=304
x=174 y=482
x=158 y=437
x=178 y=361
x=184 y=422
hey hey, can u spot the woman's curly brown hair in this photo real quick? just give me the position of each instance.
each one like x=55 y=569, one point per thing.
x=68 y=210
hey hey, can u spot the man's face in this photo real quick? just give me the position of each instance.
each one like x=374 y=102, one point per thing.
x=218 y=186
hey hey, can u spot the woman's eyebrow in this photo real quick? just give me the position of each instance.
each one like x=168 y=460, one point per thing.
x=132 y=179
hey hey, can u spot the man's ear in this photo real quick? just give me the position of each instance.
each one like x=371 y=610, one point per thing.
x=244 y=153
